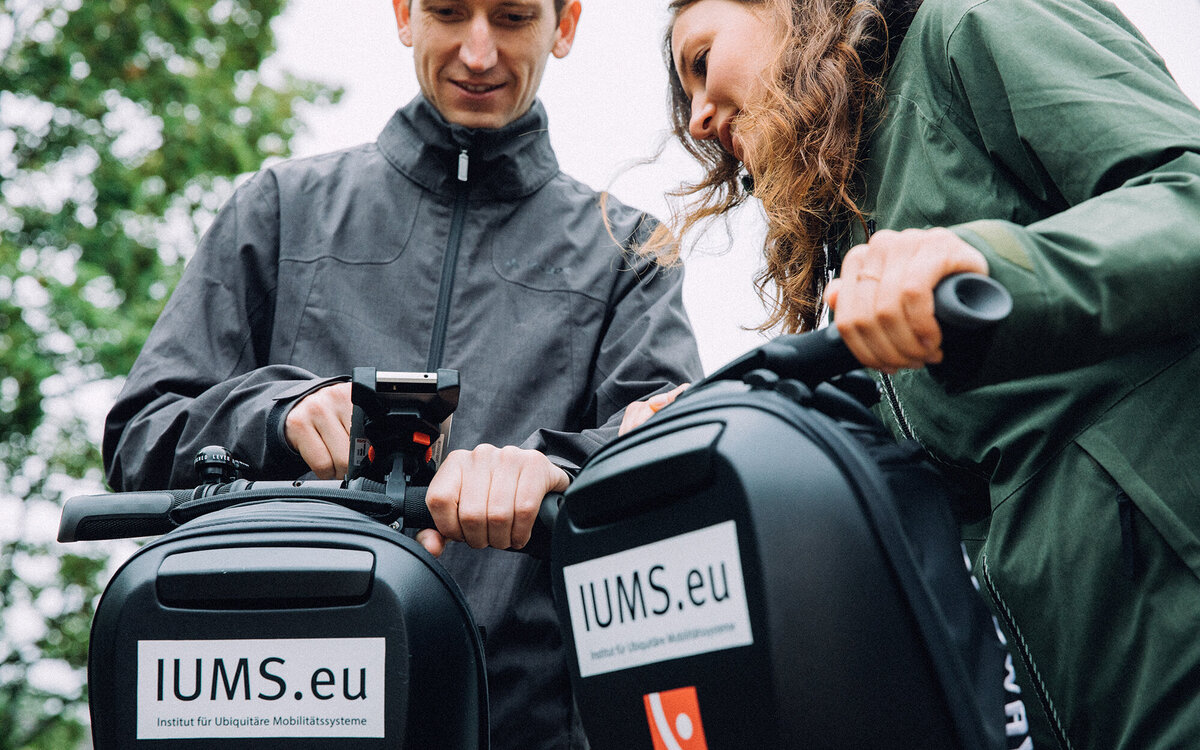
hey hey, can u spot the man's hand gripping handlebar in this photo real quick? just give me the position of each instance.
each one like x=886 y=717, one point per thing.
x=399 y=419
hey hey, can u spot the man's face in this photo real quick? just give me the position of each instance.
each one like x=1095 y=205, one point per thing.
x=480 y=62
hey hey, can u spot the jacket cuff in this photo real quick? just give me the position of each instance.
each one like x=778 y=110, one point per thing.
x=570 y=468
x=284 y=401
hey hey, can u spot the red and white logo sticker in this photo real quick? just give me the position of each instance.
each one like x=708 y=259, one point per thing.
x=674 y=717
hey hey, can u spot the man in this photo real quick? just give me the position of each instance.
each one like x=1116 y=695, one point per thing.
x=453 y=241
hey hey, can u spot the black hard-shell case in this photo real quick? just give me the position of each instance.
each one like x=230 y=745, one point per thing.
x=298 y=585
x=867 y=629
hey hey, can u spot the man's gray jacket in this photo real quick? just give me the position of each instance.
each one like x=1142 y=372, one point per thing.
x=436 y=246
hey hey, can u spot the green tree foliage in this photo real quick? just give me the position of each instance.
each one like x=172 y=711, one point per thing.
x=123 y=124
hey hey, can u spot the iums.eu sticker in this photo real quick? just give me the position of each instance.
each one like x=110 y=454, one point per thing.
x=666 y=600
x=285 y=687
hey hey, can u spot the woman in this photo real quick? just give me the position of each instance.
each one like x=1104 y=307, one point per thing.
x=1044 y=143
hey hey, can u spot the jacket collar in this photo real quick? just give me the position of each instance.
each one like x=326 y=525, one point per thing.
x=503 y=164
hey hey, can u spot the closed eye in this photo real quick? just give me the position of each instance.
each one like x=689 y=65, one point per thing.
x=444 y=13
x=516 y=19
x=699 y=66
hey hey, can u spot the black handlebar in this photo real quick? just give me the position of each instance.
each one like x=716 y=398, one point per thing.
x=118 y=515
x=121 y=515
x=962 y=303
x=970 y=302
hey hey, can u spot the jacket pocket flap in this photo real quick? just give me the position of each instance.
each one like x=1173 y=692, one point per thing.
x=1178 y=531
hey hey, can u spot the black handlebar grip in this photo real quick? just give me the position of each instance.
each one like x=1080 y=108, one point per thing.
x=543 y=527
x=967 y=307
x=119 y=515
x=416 y=513
x=962 y=303
x=970 y=301
x=417 y=516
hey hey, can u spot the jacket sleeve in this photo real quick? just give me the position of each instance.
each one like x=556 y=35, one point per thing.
x=1078 y=107
x=199 y=379
x=647 y=347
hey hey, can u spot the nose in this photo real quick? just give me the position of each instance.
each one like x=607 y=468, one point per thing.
x=478 y=50
x=703 y=123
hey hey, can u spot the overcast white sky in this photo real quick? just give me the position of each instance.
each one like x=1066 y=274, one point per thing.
x=607 y=108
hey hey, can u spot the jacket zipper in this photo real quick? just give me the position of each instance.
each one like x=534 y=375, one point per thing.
x=437 y=344
x=894 y=401
x=1017 y=643
x=889 y=389
x=1128 y=548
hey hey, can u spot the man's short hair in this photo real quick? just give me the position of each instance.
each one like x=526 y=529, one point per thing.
x=558 y=5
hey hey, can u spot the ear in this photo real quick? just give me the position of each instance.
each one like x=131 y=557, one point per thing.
x=404 y=20
x=564 y=35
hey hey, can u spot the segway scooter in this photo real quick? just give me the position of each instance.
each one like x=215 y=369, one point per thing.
x=280 y=614
x=762 y=565
x=290 y=614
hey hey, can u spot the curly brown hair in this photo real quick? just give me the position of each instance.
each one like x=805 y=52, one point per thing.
x=801 y=146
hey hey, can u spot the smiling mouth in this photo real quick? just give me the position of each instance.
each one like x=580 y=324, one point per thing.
x=478 y=88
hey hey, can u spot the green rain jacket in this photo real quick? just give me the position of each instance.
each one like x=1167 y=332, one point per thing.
x=1049 y=135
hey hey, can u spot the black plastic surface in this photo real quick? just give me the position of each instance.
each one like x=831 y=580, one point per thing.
x=675 y=463
x=90 y=517
x=837 y=658
x=435 y=684
x=259 y=577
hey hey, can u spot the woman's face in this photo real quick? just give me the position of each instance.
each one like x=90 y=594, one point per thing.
x=723 y=51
